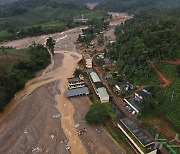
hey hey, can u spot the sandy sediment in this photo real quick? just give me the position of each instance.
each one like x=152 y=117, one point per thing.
x=41 y=118
x=31 y=121
x=94 y=138
x=65 y=106
x=32 y=124
x=58 y=58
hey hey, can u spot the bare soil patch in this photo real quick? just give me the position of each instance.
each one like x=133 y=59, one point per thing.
x=31 y=124
x=162 y=77
x=175 y=62
x=92 y=5
x=94 y=138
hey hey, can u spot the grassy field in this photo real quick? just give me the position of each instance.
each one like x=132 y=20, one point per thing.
x=10 y=56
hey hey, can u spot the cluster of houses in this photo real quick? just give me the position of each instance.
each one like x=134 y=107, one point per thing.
x=77 y=87
x=130 y=129
x=133 y=103
x=123 y=86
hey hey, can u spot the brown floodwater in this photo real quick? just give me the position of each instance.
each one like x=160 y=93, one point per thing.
x=65 y=106
x=19 y=96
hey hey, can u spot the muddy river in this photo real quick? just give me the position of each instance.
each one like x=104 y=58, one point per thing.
x=41 y=119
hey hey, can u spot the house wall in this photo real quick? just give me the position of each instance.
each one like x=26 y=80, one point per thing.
x=89 y=63
x=76 y=86
x=73 y=85
x=104 y=99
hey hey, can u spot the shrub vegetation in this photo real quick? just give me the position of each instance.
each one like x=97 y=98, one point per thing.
x=17 y=74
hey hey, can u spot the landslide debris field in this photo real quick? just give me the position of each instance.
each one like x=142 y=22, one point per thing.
x=41 y=119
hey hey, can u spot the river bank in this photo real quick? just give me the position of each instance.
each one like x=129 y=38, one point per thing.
x=40 y=118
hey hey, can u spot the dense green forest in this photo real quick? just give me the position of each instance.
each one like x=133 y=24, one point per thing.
x=146 y=37
x=166 y=100
x=137 y=5
x=17 y=66
x=6 y=1
x=36 y=17
x=151 y=36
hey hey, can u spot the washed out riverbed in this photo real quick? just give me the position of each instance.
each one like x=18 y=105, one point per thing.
x=41 y=119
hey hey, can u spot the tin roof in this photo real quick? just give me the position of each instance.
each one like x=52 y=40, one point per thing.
x=94 y=77
x=74 y=79
x=77 y=91
x=86 y=56
x=137 y=131
x=102 y=92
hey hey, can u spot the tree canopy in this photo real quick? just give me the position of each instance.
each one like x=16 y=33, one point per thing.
x=50 y=43
x=134 y=6
x=14 y=79
x=99 y=113
x=146 y=37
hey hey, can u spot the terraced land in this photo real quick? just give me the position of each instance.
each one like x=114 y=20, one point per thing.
x=171 y=105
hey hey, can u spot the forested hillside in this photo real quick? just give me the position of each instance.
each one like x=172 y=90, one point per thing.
x=17 y=66
x=151 y=36
x=35 y=17
x=146 y=37
x=6 y=1
x=137 y=5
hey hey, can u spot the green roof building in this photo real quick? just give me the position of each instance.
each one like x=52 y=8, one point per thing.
x=94 y=77
x=103 y=95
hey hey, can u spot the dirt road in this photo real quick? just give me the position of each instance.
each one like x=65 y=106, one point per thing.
x=175 y=62
x=162 y=77
x=41 y=119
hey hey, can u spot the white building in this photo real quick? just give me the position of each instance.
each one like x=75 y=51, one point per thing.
x=88 y=61
x=142 y=93
x=76 y=82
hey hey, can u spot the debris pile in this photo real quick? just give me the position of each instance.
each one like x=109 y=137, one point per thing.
x=57 y=116
x=36 y=149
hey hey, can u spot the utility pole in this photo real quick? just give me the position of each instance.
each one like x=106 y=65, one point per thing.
x=172 y=96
